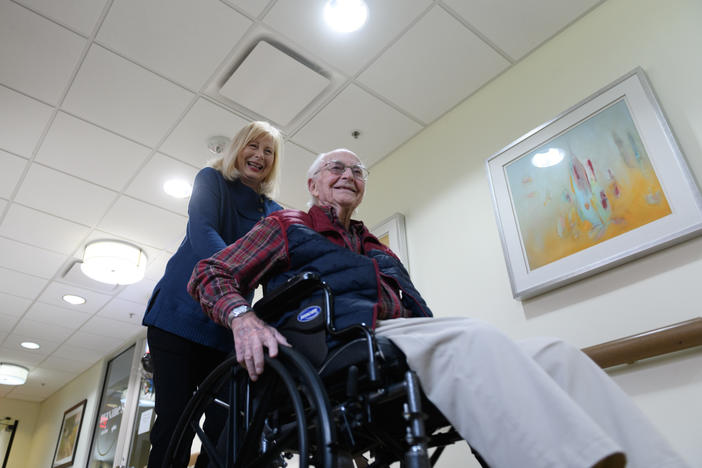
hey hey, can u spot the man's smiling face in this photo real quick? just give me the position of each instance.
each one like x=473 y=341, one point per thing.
x=344 y=192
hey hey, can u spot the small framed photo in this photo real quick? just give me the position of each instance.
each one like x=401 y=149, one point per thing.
x=601 y=184
x=65 y=453
x=391 y=232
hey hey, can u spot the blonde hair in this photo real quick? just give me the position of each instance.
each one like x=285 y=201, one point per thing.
x=226 y=164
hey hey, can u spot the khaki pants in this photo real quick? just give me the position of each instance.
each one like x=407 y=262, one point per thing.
x=533 y=403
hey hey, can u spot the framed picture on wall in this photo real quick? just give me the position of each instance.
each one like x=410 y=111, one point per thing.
x=601 y=184
x=65 y=453
x=391 y=232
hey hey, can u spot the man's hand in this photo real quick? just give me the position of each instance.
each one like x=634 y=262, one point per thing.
x=251 y=335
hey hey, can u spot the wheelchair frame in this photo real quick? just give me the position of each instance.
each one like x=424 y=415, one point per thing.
x=290 y=410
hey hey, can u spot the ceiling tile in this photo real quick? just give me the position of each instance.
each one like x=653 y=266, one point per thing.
x=124 y=311
x=273 y=84
x=100 y=343
x=38 y=57
x=46 y=346
x=11 y=169
x=148 y=184
x=294 y=165
x=252 y=7
x=22 y=121
x=77 y=354
x=188 y=142
x=13 y=306
x=43 y=376
x=64 y=364
x=107 y=327
x=145 y=223
x=465 y=64
x=18 y=393
x=180 y=39
x=84 y=150
x=382 y=128
x=125 y=98
x=65 y=196
x=157 y=265
x=21 y=356
x=81 y=15
x=39 y=332
x=302 y=21
x=138 y=292
x=54 y=293
x=20 y=284
x=42 y=230
x=28 y=259
x=51 y=315
x=7 y=323
x=519 y=27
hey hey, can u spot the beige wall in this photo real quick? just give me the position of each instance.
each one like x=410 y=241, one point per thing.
x=26 y=413
x=48 y=417
x=438 y=181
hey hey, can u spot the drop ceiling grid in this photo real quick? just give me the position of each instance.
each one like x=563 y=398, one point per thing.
x=120 y=107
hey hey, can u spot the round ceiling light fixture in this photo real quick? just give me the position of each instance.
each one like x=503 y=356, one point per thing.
x=30 y=345
x=12 y=374
x=345 y=15
x=114 y=262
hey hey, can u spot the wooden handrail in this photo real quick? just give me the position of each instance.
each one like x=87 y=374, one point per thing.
x=648 y=344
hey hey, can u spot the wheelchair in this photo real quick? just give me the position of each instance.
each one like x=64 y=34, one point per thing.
x=357 y=404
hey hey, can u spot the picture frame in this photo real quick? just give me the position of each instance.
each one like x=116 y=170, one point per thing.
x=601 y=184
x=391 y=232
x=69 y=434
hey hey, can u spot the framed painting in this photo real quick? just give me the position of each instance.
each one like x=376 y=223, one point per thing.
x=68 y=436
x=391 y=232
x=601 y=184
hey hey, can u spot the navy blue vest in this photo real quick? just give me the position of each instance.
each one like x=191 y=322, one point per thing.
x=354 y=278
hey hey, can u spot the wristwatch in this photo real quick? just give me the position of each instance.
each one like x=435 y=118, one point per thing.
x=237 y=312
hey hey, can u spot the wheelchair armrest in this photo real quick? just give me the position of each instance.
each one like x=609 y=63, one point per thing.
x=287 y=295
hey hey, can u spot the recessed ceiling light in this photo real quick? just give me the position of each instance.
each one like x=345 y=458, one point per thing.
x=30 y=345
x=345 y=15
x=177 y=188
x=73 y=299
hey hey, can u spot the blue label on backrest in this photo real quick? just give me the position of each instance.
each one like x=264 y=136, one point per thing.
x=308 y=314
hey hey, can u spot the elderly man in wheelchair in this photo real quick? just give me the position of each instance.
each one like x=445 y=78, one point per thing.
x=358 y=372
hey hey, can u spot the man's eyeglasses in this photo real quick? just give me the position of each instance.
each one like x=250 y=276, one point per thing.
x=338 y=168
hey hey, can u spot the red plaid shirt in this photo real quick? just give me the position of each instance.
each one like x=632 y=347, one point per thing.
x=221 y=282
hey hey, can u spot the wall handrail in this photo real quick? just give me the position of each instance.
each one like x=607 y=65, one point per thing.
x=664 y=340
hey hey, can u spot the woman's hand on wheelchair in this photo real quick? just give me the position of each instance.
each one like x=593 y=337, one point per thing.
x=251 y=335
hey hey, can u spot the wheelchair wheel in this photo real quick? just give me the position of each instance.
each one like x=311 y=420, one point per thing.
x=285 y=412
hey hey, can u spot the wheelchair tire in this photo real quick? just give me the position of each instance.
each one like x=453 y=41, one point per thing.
x=286 y=411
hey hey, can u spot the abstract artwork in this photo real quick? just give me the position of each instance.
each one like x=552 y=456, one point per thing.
x=592 y=183
x=603 y=183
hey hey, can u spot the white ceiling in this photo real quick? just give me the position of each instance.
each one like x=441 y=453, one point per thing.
x=101 y=101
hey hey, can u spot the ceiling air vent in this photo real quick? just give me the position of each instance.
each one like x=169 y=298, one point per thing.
x=273 y=84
